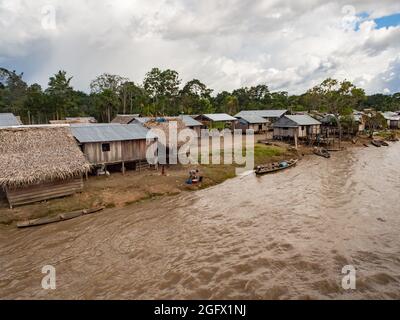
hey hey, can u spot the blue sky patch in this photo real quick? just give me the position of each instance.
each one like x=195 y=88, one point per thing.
x=388 y=21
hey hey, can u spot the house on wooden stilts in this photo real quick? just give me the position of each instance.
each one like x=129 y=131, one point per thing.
x=111 y=144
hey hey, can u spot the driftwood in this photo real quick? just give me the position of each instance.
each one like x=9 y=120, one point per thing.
x=57 y=218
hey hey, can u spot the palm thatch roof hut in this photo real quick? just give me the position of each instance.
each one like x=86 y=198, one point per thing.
x=125 y=118
x=39 y=163
x=167 y=128
x=166 y=125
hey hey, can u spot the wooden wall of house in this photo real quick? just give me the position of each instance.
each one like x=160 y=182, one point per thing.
x=120 y=151
x=284 y=132
x=255 y=127
x=302 y=131
x=43 y=191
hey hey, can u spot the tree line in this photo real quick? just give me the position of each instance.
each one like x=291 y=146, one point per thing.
x=162 y=93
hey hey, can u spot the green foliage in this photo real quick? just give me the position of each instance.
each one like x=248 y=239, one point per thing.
x=60 y=95
x=160 y=94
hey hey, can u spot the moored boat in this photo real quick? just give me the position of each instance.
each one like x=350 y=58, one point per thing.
x=276 y=166
x=376 y=143
x=322 y=152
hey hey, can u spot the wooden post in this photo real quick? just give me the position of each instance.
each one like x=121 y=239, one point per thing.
x=295 y=139
x=123 y=167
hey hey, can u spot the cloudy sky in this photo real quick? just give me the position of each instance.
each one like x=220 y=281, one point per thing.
x=288 y=45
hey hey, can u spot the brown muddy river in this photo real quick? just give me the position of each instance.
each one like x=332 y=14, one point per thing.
x=282 y=236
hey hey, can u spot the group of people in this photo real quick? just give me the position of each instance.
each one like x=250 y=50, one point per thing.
x=194 y=177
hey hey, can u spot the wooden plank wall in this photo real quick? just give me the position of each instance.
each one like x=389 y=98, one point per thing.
x=44 y=191
x=120 y=151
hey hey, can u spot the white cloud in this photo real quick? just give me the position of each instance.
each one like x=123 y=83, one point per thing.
x=289 y=45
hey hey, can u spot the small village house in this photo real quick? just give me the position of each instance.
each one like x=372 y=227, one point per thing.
x=39 y=163
x=392 y=119
x=252 y=122
x=217 y=120
x=296 y=126
x=9 y=119
x=125 y=118
x=191 y=123
x=163 y=126
x=113 y=144
x=359 y=119
x=270 y=115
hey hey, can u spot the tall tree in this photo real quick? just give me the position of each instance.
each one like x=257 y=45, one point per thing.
x=339 y=98
x=106 y=90
x=163 y=88
x=60 y=94
x=13 y=90
x=35 y=105
x=133 y=97
x=195 y=98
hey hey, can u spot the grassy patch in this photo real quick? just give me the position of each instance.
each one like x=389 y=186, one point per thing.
x=387 y=134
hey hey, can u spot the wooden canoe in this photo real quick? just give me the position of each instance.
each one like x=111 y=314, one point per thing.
x=322 y=153
x=274 y=167
x=57 y=218
x=376 y=143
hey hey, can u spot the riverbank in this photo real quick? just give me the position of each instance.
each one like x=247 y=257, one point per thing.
x=119 y=191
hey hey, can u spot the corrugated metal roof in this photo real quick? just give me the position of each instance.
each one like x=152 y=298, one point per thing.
x=86 y=133
x=252 y=119
x=392 y=116
x=289 y=121
x=8 y=119
x=303 y=120
x=262 y=113
x=219 y=117
x=189 y=121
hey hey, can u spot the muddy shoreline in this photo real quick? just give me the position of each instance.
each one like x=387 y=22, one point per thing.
x=119 y=191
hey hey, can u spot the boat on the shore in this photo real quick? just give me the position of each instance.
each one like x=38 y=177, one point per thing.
x=322 y=152
x=276 y=166
x=376 y=143
x=57 y=218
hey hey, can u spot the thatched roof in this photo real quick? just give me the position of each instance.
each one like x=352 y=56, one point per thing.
x=164 y=123
x=31 y=155
x=125 y=118
x=70 y=120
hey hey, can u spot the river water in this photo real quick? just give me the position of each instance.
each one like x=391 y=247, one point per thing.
x=281 y=236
